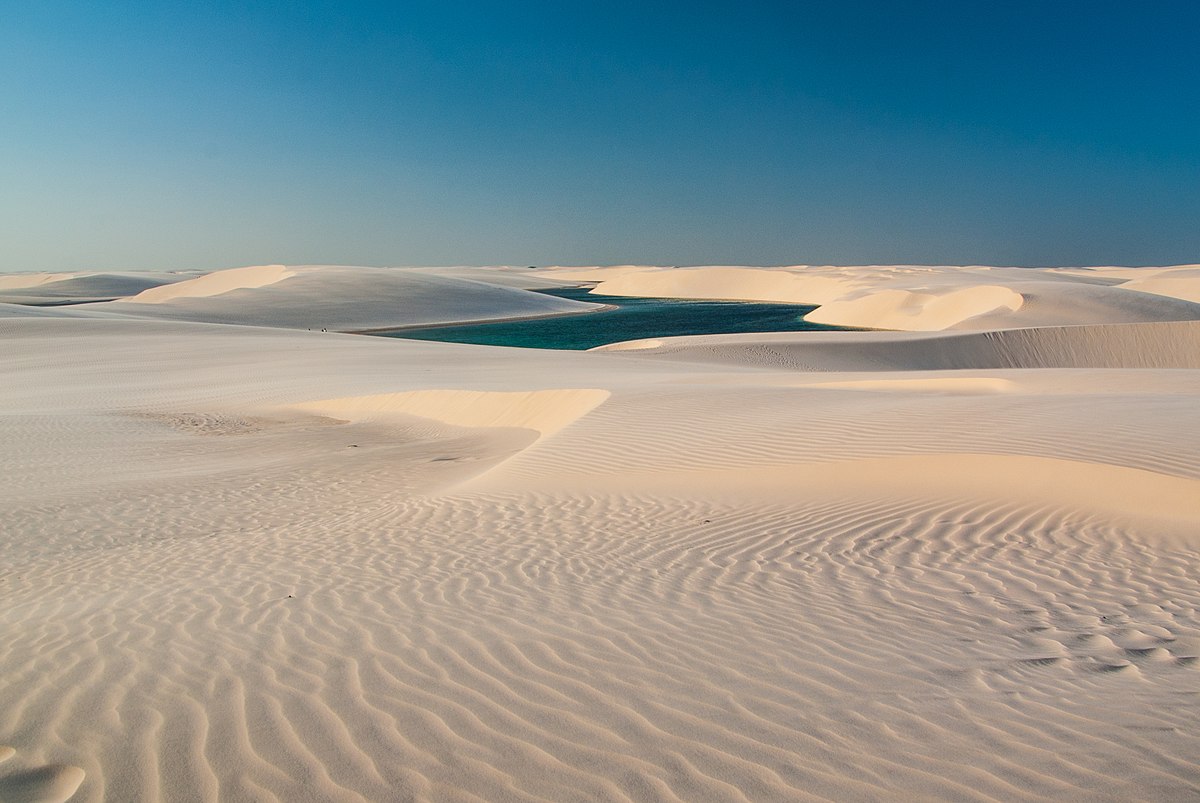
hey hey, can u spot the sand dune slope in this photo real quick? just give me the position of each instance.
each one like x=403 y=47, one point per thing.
x=253 y=563
x=896 y=297
x=213 y=284
x=337 y=299
x=57 y=288
x=1145 y=345
x=1182 y=282
x=543 y=411
x=25 y=281
x=527 y=278
x=923 y=298
x=24 y=311
x=1177 y=281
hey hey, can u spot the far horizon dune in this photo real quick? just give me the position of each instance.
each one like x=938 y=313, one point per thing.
x=952 y=558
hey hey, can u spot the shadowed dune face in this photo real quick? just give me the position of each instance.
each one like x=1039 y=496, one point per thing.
x=257 y=563
x=52 y=783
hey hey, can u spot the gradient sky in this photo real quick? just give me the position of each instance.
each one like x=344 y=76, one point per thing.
x=204 y=135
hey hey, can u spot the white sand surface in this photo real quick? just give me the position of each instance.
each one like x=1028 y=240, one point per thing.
x=246 y=562
x=24 y=281
x=524 y=278
x=1177 y=281
x=213 y=284
x=1181 y=282
x=26 y=311
x=57 y=288
x=1143 y=345
x=337 y=298
x=925 y=298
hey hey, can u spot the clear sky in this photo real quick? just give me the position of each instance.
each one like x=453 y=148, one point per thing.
x=191 y=134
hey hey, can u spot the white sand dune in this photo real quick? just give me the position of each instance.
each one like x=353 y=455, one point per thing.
x=246 y=562
x=23 y=311
x=53 y=311
x=214 y=284
x=746 y=284
x=1142 y=345
x=337 y=299
x=936 y=384
x=57 y=288
x=1177 y=281
x=523 y=278
x=1180 y=282
x=909 y=311
x=921 y=298
x=543 y=411
x=24 y=281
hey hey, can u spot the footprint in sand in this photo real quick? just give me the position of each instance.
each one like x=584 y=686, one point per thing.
x=52 y=783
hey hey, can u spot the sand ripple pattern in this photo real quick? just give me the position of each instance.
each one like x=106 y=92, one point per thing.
x=587 y=647
x=705 y=588
x=746 y=427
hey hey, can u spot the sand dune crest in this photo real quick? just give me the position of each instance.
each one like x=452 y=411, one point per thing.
x=745 y=284
x=338 y=299
x=21 y=281
x=1136 y=345
x=1182 y=282
x=923 y=298
x=917 y=312
x=544 y=411
x=213 y=284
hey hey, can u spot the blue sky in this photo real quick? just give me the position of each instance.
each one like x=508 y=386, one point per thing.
x=176 y=135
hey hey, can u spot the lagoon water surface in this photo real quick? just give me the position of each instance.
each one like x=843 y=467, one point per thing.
x=634 y=319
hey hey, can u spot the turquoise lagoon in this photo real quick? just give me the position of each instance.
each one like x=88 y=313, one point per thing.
x=633 y=319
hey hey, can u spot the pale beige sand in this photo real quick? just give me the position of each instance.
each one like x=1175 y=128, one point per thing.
x=257 y=563
x=1178 y=281
x=336 y=298
x=923 y=298
x=524 y=278
x=1140 y=345
x=213 y=284
x=23 y=281
x=542 y=411
x=57 y=288
x=1182 y=282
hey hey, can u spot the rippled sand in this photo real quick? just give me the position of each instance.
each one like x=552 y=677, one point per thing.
x=261 y=563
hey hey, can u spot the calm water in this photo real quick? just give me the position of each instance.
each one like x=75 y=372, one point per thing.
x=635 y=319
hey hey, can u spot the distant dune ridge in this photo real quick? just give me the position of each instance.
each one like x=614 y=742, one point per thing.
x=918 y=298
x=954 y=558
x=904 y=298
x=336 y=299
